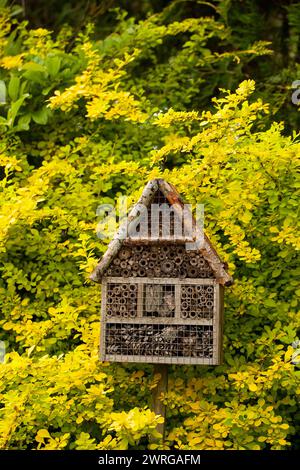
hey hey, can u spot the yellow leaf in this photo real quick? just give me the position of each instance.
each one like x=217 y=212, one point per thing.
x=282 y=442
x=288 y=354
x=219 y=444
x=195 y=440
x=41 y=435
x=252 y=387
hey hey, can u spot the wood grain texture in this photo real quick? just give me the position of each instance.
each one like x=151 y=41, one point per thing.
x=162 y=387
x=158 y=321
x=162 y=280
x=160 y=360
x=117 y=242
x=103 y=319
x=177 y=302
x=202 y=244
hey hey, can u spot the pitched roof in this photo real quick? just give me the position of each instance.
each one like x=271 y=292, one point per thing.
x=169 y=191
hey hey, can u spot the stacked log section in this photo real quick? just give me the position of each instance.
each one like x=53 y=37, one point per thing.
x=159 y=261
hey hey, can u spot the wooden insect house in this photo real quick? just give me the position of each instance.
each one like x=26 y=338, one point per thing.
x=162 y=286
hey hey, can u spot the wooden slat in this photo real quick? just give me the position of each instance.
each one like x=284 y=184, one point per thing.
x=140 y=297
x=218 y=324
x=221 y=323
x=154 y=240
x=177 y=301
x=160 y=360
x=161 y=280
x=103 y=315
x=158 y=321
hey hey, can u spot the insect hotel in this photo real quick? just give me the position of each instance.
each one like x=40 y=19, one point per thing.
x=162 y=286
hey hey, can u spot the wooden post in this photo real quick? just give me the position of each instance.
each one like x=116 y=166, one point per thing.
x=162 y=387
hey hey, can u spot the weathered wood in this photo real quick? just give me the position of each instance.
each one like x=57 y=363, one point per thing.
x=153 y=296
x=216 y=325
x=205 y=248
x=159 y=261
x=103 y=319
x=162 y=300
x=116 y=243
x=161 y=241
x=159 y=341
x=210 y=254
x=221 y=324
x=161 y=360
x=158 y=321
x=162 y=280
x=159 y=407
x=171 y=333
x=110 y=253
x=171 y=194
x=167 y=307
x=177 y=302
x=139 y=303
x=218 y=320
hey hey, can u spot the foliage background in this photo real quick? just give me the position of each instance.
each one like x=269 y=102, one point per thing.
x=97 y=98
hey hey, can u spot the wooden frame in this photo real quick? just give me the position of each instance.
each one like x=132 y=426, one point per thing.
x=160 y=280
x=155 y=308
x=216 y=322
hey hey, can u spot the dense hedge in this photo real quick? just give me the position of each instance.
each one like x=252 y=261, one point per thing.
x=83 y=120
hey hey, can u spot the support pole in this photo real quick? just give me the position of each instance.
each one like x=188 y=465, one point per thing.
x=162 y=387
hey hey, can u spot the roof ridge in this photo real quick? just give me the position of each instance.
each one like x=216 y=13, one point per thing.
x=174 y=198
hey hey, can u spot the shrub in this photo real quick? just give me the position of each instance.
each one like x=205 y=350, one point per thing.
x=80 y=126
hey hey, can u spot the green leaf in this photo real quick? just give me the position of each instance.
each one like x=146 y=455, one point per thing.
x=270 y=303
x=34 y=67
x=228 y=421
x=23 y=87
x=46 y=90
x=2 y=92
x=41 y=116
x=53 y=65
x=13 y=87
x=35 y=72
x=34 y=76
x=24 y=121
x=13 y=110
x=276 y=272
